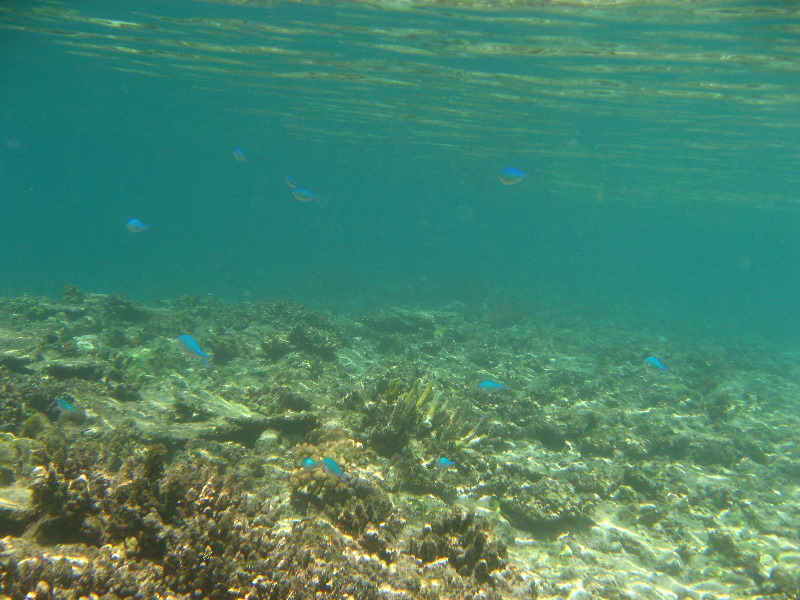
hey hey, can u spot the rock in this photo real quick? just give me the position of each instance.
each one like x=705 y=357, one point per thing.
x=80 y=369
x=16 y=509
x=174 y=419
x=547 y=507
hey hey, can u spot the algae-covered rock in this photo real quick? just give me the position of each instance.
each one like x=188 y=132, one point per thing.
x=546 y=507
x=17 y=361
x=313 y=340
x=18 y=457
x=89 y=370
x=398 y=320
x=174 y=418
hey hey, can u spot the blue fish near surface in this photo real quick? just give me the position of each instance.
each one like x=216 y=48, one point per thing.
x=333 y=468
x=304 y=195
x=239 y=154
x=490 y=386
x=654 y=365
x=190 y=346
x=291 y=181
x=445 y=463
x=136 y=226
x=511 y=176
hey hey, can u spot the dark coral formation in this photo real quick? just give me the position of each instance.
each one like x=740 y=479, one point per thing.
x=466 y=543
x=181 y=531
x=547 y=507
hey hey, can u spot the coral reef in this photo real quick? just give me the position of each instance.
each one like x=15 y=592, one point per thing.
x=305 y=464
x=468 y=547
x=409 y=409
x=181 y=531
x=354 y=498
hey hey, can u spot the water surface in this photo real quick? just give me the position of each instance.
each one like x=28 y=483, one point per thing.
x=662 y=143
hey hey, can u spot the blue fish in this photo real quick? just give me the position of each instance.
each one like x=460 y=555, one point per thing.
x=309 y=463
x=654 y=365
x=445 y=463
x=291 y=181
x=64 y=406
x=239 y=154
x=67 y=411
x=510 y=176
x=190 y=346
x=304 y=195
x=136 y=226
x=332 y=467
x=490 y=386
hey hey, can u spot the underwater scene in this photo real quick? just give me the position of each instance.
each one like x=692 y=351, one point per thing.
x=399 y=300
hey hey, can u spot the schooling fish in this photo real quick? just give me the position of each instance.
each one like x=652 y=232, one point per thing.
x=510 y=176
x=654 y=365
x=136 y=226
x=489 y=386
x=332 y=467
x=190 y=346
x=239 y=154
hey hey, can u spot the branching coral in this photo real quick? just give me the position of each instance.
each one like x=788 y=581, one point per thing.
x=406 y=411
x=419 y=412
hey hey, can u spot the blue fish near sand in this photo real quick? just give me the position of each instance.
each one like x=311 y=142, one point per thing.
x=490 y=386
x=190 y=346
x=332 y=467
x=654 y=365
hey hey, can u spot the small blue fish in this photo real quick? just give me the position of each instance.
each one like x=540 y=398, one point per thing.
x=654 y=365
x=190 y=346
x=445 y=463
x=64 y=406
x=67 y=411
x=136 y=226
x=291 y=181
x=304 y=195
x=510 y=176
x=490 y=386
x=332 y=467
x=239 y=154
x=309 y=463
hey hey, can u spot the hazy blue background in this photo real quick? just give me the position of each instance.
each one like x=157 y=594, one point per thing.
x=662 y=143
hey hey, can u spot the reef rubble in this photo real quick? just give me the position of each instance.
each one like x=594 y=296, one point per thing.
x=305 y=462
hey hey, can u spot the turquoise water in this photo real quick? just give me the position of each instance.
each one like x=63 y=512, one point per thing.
x=662 y=143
